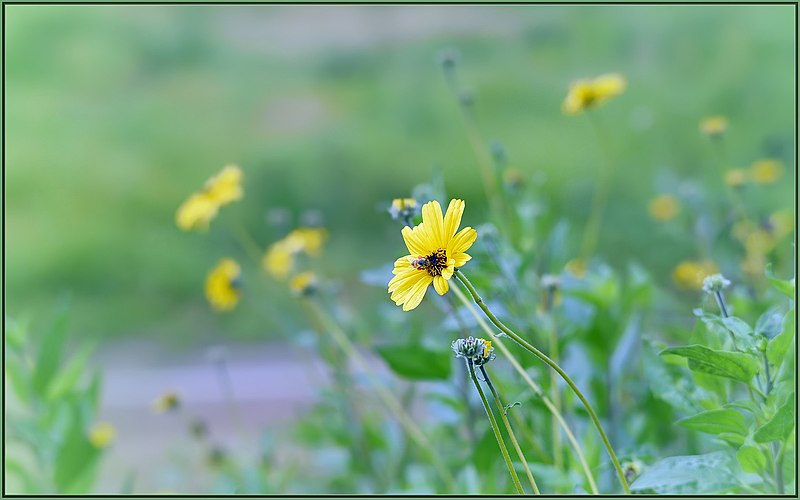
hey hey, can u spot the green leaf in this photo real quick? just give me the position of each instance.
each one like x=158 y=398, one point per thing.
x=75 y=458
x=716 y=422
x=786 y=287
x=709 y=473
x=19 y=377
x=69 y=376
x=770 y=323
x=777 y=347
x=779 y=426
x=49 y=356
x=751 y=458
x=417 y=363
x=735 y=365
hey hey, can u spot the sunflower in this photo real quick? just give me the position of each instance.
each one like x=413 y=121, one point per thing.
x=436 y=251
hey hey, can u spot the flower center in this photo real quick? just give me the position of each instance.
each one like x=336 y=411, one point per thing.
x=433 y=264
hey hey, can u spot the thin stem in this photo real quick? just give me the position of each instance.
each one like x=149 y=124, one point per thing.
x=501 y=407
x=539 y=354
x=341 y=339
x=555 y=393
x=600 y=195
x=247 y=242
x=495 y=428
x=533 y=385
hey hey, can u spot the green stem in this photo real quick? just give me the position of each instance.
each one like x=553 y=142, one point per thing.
x=600 y=196
x=539 y=354
x=533 y=385
x=501 y=407
x=495 y=428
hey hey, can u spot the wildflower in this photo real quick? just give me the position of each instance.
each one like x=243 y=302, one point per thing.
x=766 y=171
x=663 y=207
x=303 y=284
x=689 y=274
x=436 y=251
x=586 y=94
x=736 y=177
x=102 y=435
x=200 y=208
x=753 y=265
x=403 y=209
x=576 y=267
x=714 y=126
x=279 y=259
x=479 y=350
x=222 y=285
x=715 y=283
x=781 y=223
x=167 y=402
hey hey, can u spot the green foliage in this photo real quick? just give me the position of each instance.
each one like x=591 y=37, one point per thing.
x=417 y=363
x=733 y=365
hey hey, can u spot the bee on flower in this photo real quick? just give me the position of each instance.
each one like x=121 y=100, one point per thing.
x=223 y=286
x=279 y=259
x=587 y=94
x=436 y=250
x=201 y=207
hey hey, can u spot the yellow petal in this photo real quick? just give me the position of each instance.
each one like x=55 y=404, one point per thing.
x=460 y=259
x=413 y=241
x=440 y=284
x=452 y=218
x=416 y=294
x=447 y=272
x=462 y=241
x=433 y=220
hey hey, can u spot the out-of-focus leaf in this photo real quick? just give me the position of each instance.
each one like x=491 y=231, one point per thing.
x=69 y=376
x=95 y=390
x=724 y=327
x=777 y=346
x=786 y=287
x=15 y=468
x=716 y=422
x=417 y=363
x=16 y=334
x=751 y=458
x=75 y=458
x=691 y=474
x=19 y=377
x=770 y=323
x=736 y=365
x=49 y=355
x=779 y=426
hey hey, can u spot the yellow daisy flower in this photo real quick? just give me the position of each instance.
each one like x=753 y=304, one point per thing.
x=663 y=207
x=201 y=207
x=585 y=94
x=279 y=259
x=222 y=287
x=303 y=284
x=689 y=274
x=736 y=177
x=714 y=126
x=766 y=171
x=436 y=251
x=102 y=435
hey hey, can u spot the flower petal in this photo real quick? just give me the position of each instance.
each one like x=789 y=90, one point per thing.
x=440 y=284
x=460 y=259
x=452 y=218
x=433 y=221
x=416 y=294
x=462 y=241
x=413 y=241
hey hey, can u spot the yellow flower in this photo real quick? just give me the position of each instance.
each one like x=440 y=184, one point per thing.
x=279 y=259
x=689 y=274
x=753 y=265
x=303 y=284
x=222 y=285
x=663 y=207
x=102 y=435
x=200 y=208
x=782 y=223
x=736 y=177
x=399 y=204
x=576 y=267
x=196 y=212
x=167 y=402
x=585 y=94
x=714 y=126
x=436 y=250
x=766 y=171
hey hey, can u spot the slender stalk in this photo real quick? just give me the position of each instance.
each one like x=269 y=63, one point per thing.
x=501 y=407
x=543 y=357
x=555 y=393
x=533 y=385
x=600 y=196
x=414 y=432
x=247 y=242
x=495 y=428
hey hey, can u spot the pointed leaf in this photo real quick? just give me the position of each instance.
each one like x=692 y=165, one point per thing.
x=688 y=474
x=777 y=347
x=779 y=426
x=786 y=287
x=49 y=356
x=716 y=422
x=69 y=376
x=417 y=363
x=735 y=365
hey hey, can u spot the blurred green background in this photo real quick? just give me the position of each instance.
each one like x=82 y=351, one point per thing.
x=115 y=114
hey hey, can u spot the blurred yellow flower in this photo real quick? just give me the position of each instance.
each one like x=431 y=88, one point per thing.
x=167 y=402
x=279 y=258
x=663 y=207
x=585 y=94
x=714 y=126
x=102 y=435
x=201 y=207
x=736 y=177
x=303 y=284
x=400 y=204
x=576 y=267
x=782 y=223
x=689 y=274
x=222 y=285
x=766 y=171
x=753 y=265
x=436 y=250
